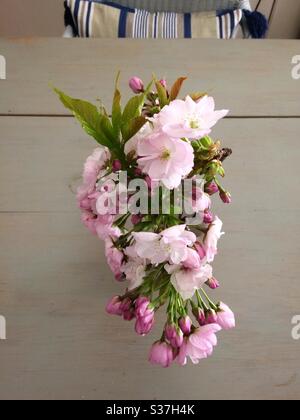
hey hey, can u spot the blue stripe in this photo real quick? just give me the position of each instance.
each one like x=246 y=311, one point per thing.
x=221 y=26
x=122 y=23
x=115 y=5
x=88 y=19
x=155 y=25
x=188 y=25
x=76 y=10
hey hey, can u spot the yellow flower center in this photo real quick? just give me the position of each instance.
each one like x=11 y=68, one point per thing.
x=194 y=124
x=166 y=154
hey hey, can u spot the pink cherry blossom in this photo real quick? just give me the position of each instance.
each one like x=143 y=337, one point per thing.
x=188 y=119
x=94 y=164
x=225 y=317
x=165 y=159
x=211 y=240
x=114 y=258
x=199 y=345
x=161 y=354
x=106 y=230
x=134 y=269
x=170 y=245
x=187 y=281
x=193 y=260
x=201 y=200
x=200 y=250
x=131 y=145
x=89 y=220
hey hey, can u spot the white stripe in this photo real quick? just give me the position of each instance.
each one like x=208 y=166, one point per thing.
x=84 y=18
x=145 y=24
x=148 y=24
x=134 y=23
x=153 y=25
x=224 y=27
x=80 y=13
x=142 y=20
x=91 y=20
x=229 y=25
x=162 y=24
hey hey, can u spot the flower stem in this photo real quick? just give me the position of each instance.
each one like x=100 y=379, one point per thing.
x=211 y=303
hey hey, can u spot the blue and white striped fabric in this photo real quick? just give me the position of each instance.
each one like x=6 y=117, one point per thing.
x=103 y=19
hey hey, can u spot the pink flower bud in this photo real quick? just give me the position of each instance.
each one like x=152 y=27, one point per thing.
x=211 y=317
x=126 y=305
x=200 y=249
x=213 y=283
x=163 y=82
x=136 y=219
x=136 y=85
x=225 y=317
x=225 y=197
x=174 y=335
x=117 y=165
x=144 y=315
x=141 y=306
x=208 y=217
x=186 y=325
x=211 y=188
x=113 y=307
x=143 y=327
x=128 y=315
x=161 y=354
x=199 y=314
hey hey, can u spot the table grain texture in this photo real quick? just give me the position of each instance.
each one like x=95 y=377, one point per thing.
x=54 y=281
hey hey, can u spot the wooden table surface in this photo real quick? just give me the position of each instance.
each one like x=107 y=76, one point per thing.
x=54 y=281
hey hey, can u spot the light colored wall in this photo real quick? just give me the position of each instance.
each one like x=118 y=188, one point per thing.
x=31 y=18
x=45 y=18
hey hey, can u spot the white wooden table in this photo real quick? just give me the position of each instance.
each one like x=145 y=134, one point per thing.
x=53 y=278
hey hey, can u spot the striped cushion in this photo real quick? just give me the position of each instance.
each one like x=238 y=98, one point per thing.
x=102 y=19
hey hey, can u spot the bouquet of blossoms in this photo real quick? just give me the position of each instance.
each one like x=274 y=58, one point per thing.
x=146 y=193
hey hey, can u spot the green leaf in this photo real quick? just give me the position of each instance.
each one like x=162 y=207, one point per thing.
x=134 y=108
x=133 y=127
x=94 y=123
x=116 y=110
x=176 y=88
x=162 y=94
x=196 y=96
x=107 y=129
